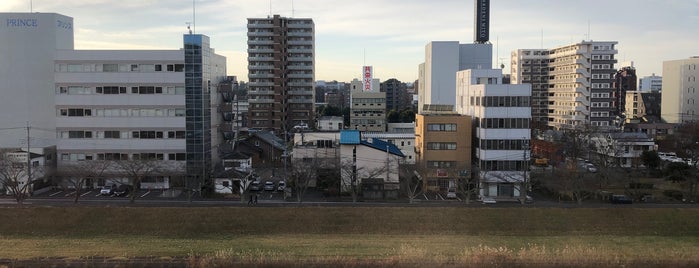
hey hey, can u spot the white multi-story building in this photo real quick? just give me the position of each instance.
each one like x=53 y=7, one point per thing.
x=112 y=104
x=531 y=66
x=680 y=96
x=501 y=116
x=404 y=141
x=29 y=43
x=442 y=60
x=650 y=83
x=578 y=86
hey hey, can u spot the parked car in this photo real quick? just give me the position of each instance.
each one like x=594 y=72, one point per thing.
x=122 y=190
x=269 y=186
x=621 y=199
x=107 y=190
x=451 y=193
x=255 y=186
x=281 y=186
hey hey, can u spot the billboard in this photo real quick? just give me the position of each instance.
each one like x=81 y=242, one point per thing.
x=367 y=78
x=481 y=33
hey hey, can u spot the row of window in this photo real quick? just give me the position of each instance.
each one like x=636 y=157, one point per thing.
x=179 y=112
x=599 y=104
x=113 y=67
x=504 y=123
x=123 y=156
x=501 y=101
x=504 y=144
x=117 y=134
x=441 y=164
x=441 y=146
x=441 y=127
x=600 y=95
x=114 y=90
x=599 y=114
x=511 y=165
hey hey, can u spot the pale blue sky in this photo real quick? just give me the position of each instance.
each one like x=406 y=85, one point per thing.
x=388 y=34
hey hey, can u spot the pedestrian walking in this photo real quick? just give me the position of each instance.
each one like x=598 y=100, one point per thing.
x=250 y=202
x=256 y=199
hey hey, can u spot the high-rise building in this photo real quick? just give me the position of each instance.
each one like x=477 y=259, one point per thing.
x=680 y=97
x=281 y=64
x=579 y=86
x=437 y=75
x=501 y=115
x=625 y=80
x=531 y=66
x=650 y=83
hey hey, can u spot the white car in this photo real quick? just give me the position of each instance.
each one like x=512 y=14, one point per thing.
x=281 y=186
x=107 y=190
x=451 y=193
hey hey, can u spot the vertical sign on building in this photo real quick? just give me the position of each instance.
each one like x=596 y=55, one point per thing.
x=367 y=76
x=481 y=21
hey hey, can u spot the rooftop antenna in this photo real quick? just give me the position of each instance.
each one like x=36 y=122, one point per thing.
x=189 y=27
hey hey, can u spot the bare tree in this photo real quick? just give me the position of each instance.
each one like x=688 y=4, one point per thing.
x=411 y=179
x=303 y=172
x=354 y=175
x=136 y=170
x=244 y=188
x=466 y=184
x=77 y=173
x=16 y=177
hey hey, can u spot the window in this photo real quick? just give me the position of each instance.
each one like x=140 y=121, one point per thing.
x=441 y=127
x=112 y=134
x=110 y=67
x=441 y=146
x=79 y=134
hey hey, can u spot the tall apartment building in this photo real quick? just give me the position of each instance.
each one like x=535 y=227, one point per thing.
x=160 y=105
x=650 y=83
x=397 y=97
x=625 y=80
x=367 y=108
x=437 y=75
x=281 y=64
x=580 y=78
x=501 y=115
x=531 y=66
x=680 y=97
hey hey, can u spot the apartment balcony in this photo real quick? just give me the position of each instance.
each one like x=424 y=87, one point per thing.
x=300 y=42
x=260 y=67
x=299 y=59
x=300 y=100
x=260 y=33
x=251 y=100
x=260 y=75
x=300 y=92
x=301 y=84
x=260 y=84
x=300 y=50
x=299 y=25
x=260 y=42
x=260 y=25
x=310 y=76
x=260 y=92
x=308 y=33
x=261 y=59
x=260 y=50
x=299 y=67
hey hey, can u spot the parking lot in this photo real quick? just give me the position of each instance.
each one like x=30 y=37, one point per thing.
x=95 y=194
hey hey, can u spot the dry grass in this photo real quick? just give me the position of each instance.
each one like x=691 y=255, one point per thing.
x=356 y=237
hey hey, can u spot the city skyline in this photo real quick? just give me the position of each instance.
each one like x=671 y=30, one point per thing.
x=389 y=35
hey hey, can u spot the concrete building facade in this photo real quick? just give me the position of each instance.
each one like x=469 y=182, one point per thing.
x=680 y=96
x=650 y=83
x=367 y=108
x=501 y=115
x=442 y=60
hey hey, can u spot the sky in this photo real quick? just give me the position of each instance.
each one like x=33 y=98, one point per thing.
x=388 y=34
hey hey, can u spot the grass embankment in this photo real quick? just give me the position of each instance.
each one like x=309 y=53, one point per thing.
x=356 y=236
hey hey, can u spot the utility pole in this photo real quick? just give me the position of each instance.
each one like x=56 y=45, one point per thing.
x=525 y=167
x=29 y=159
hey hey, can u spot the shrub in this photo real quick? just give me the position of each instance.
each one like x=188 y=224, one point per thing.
x=674 y=194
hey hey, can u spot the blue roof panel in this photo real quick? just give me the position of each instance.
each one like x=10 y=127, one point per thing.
x=350 y=137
